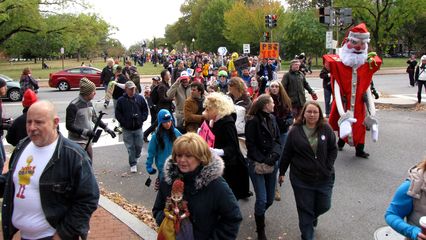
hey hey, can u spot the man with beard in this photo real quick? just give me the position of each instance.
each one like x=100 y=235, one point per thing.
x=193 y=108
x=351 y=75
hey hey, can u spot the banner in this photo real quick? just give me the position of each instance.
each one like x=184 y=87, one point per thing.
x=207 y=134
x=269 y=50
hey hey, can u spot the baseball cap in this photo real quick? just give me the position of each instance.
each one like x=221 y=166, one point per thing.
x=156 y=78
x=184 y=75
x=198 y=70
x=130 y=84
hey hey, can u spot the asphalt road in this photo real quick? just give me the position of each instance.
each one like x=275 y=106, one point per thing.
x=362 y=191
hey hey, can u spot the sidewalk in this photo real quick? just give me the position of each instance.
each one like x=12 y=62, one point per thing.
x=112 y=222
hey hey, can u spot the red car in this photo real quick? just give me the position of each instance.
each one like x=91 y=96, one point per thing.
x=70 y=78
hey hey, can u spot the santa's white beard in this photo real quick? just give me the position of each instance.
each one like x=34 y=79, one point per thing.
x=352 y=59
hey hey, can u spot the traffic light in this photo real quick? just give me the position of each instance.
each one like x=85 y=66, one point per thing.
x=268 y=21
x=345 y=16
x=266 y=36
x=325 y=15
x=274 y=20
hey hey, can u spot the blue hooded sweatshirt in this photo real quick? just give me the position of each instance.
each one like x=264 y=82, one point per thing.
x=154 y=151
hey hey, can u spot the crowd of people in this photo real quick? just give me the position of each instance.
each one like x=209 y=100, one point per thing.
x=202 y=108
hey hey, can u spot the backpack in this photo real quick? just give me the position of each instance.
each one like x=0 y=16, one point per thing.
x=154 y=95
x=240 y=123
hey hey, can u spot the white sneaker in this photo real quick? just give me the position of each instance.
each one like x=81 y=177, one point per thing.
x=134 y=169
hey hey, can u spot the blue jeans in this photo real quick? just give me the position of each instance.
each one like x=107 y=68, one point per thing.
x=264 y=188
x=133 y=140
x=312 y=200
x=327 y=101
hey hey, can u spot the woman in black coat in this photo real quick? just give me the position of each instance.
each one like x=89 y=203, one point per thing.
x=214 y=211
x=263 y=147
x=219 y=112
x=310 y=151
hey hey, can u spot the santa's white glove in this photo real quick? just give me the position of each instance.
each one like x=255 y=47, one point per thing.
x=345 y=116
x=375 y=132
x=369 y=121
x=345 y=127
x=217 y=151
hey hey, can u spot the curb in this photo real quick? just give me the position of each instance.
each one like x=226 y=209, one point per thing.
x=128 y=219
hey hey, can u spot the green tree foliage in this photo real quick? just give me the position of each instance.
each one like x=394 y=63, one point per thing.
x=384 y=18
x=245 y=23
x=210 y=28
x=303 y=33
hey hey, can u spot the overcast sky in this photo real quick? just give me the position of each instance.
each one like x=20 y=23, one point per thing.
x=138 y=19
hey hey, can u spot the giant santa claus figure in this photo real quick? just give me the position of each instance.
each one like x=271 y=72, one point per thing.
x=351 y=74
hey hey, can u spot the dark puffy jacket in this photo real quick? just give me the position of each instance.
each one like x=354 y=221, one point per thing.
x=131 y=112
x=69 y=192
x=214 y=211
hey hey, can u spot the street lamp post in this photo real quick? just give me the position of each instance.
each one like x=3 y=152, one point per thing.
x=193 y=44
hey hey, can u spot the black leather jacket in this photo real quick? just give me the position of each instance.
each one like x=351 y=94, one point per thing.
x=68 y=190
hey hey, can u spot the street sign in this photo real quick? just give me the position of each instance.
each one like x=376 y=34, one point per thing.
x=62 y=50
x=329 y=40
x=222 y=51
x=269 y=50
x=246 y=48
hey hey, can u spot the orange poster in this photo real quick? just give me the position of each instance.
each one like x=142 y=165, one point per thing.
x=269 y=50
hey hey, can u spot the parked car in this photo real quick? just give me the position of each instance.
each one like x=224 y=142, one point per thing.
x=13 y=89
x=70 y=78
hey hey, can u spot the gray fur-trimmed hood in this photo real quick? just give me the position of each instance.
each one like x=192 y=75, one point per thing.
x=207 y=174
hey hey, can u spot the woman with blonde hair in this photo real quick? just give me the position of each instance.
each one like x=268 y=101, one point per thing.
x=409 y=203
x=213 y=209
x=219 y=112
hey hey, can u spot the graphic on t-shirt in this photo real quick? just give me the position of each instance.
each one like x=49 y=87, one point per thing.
x=24 y=176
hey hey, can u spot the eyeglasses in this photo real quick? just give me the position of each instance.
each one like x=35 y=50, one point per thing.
x=312 y=112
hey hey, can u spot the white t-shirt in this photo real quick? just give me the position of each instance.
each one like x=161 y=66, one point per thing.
x=28 y=215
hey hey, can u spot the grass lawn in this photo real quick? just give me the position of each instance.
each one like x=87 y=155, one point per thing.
x=14 y=69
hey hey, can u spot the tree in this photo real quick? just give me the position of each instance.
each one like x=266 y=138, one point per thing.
x=245 y=23
x=303 y=33
x=210 y=29
x=384 y=18
x=25 y=15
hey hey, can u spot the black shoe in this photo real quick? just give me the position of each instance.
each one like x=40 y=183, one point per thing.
x=362 y=154
x=340 y=144
x=315 y=223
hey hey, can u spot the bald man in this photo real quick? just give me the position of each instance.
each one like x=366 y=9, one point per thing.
x=50 y=191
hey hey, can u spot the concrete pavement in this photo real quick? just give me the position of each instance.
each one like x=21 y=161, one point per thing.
x=105 y=213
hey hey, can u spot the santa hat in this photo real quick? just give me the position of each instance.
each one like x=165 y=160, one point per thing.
x=358 y=32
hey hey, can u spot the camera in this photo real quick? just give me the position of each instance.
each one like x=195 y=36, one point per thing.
x=264 y=78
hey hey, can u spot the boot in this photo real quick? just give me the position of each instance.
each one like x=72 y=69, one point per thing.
x=340 y=144
x=260 y=227
x=360 y=151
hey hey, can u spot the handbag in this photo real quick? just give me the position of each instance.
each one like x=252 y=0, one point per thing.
x=263 y=168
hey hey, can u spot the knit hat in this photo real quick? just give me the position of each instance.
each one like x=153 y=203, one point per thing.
x=177 y=62
x=164 y=116
x=29 y=98
x=2 y=83
x=423 y=58
x=178 y=186
x=223 y=73
x=86 y=87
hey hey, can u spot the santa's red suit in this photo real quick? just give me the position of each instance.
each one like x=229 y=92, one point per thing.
x=351 y=76
x=343 y=76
